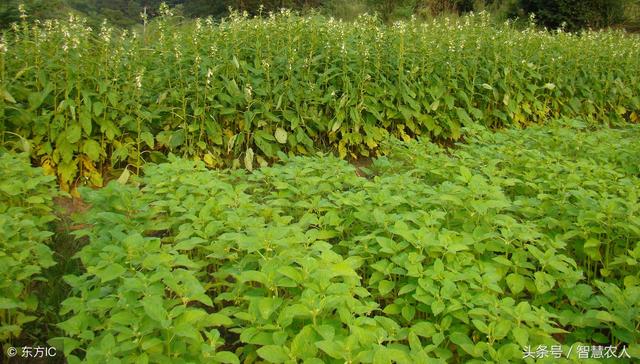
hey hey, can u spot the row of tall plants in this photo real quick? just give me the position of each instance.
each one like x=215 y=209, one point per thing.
x=240 y=91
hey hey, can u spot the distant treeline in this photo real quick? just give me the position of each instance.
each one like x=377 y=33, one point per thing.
x=570 y=14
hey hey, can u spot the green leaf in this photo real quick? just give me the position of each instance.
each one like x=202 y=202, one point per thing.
x=464 y=342
x=521 y=335
x=248 y=159
x=7 y=303
x=151 y=342
x=273 y=353
x=226 y=357
x=7 y=96
x=124 y=177
x=302 y=344
x=190 y=243
x=437 y=307
x=112 y=271
x=187 y=330
x=85 y=122
x=424 y=329
x=218 y=319
x=501 y=329
x=154 y=308
x=465 y=173
x=98 y=107
x=592 y=248
x=281 y=135
x=108 y=342
x=408 y=312
x=92 y=149
x=464 y=116
x=544 y=282
x=147 y=137
x=74 y=133
x=333 y=348
x=481 y=326
x=385 y=287
x=515 y=282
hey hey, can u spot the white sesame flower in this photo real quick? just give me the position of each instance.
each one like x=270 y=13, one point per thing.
x=165 y=10
x=139 y=79
x=209 y=75
x=23 y=12
x=144 y=16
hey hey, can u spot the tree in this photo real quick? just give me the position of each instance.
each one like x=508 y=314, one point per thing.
x=575 y=14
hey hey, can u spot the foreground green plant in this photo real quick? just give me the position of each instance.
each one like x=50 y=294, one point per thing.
x=460 y=256
x=26 y=209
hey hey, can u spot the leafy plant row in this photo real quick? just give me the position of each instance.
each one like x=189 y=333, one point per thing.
x=25 y=213
x=242 y=90
x=464 y=256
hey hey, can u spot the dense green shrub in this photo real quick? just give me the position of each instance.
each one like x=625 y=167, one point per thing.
x=444 y=256
x=25 y=212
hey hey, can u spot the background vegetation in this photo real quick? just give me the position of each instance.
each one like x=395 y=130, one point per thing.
x=574 y=14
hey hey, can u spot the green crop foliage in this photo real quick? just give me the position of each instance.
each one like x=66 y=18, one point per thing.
x=239 y=91
x=25 y=211
x=464 y=255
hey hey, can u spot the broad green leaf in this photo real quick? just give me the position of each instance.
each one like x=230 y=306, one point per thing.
x=147 y=138
x=111 y=272
x=154 y=308
x=515 y=282
x=218 y=319
x=385 y=286
x=521 y=335
x=424 y=329
x=124 y=177
x=332 y=348
x=7 y=96
x=464 y=342
x=273 y=353
x=226 y=357
x=544 y=282
x=74 y=133
x=98 y=107
x=248 y=159
x=281 y=135
x=92 y=149
x=85 y=122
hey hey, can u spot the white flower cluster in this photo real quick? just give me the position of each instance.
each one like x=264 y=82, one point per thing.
x=209 y=75
x=22 y=11
x=139 y=79
x=165 y=10
x=105 y=32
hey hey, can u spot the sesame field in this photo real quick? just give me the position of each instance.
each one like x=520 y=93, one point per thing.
x=299 y=189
